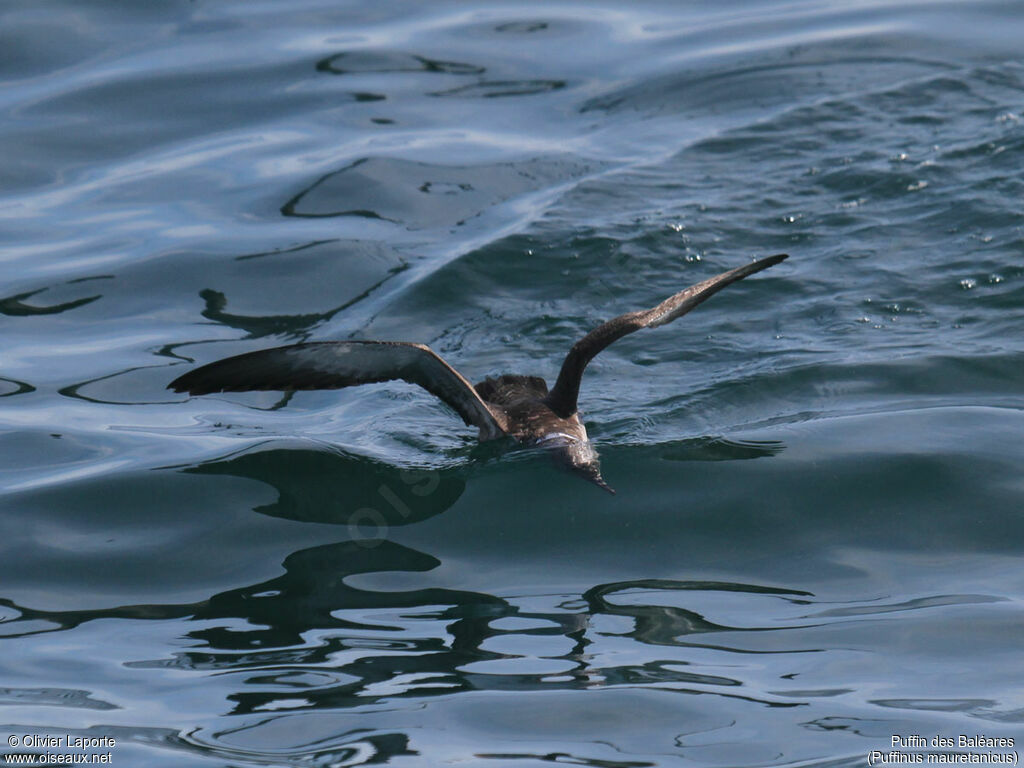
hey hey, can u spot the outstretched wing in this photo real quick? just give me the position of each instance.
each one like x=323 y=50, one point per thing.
x=562 y=398
x=337 y=364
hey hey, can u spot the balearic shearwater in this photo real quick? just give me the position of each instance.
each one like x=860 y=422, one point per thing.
x=521 y=407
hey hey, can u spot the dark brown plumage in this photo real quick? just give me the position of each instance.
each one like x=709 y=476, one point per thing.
x=518 y=406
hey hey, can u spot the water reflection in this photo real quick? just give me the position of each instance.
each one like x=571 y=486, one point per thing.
x=17 y=306
x=720 y=449
x=493 y=89
x=10 y=387
x=348 y=272
x=376 y=62
x=666 y=625
x=427 y=195
x=332 y=486
x=299 y=326
x=292 y=739
x=309 y=639
x=279 y=740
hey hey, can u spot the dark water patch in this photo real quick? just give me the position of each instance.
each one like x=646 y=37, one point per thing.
x=494 y=89
x=376 y=62
x=522 y=27
x=363 y=96
x=721 y=449
x=10 y=387
x=805 y=73
x=35 y=45
x=545 y=35
x=333 y=487
x=16 y=306
x=278 y=251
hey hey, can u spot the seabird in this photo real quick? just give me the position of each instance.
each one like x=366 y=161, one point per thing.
x=520 y=407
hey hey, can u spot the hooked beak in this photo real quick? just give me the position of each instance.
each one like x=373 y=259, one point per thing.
x=580 y=458
x=592 y=472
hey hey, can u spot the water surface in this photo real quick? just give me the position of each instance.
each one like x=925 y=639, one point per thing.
x=817 y=535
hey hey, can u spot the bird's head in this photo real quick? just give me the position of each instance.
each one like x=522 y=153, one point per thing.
x=580 y=458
